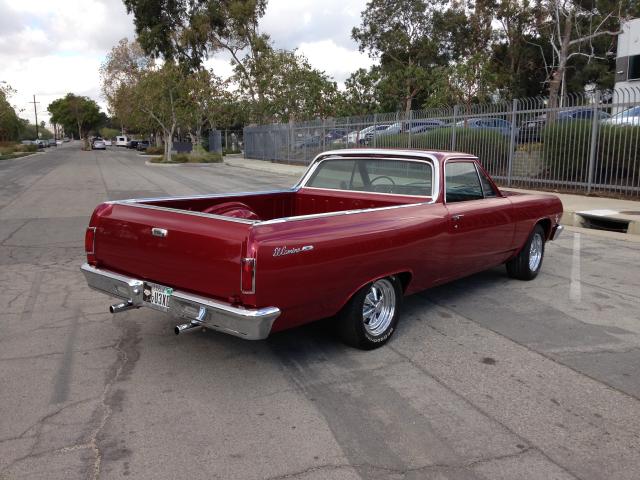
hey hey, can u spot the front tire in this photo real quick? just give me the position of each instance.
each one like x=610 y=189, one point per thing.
x=526 y=265
x=369 y=319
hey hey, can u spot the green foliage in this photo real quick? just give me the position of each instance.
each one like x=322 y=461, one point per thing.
x=492 y=148
x=76 y=114
x=154 y=151
x=10 y=124
x=106 y=132
x=289 y=88
x=191 y=158
x=188 y=31
x=566 y=147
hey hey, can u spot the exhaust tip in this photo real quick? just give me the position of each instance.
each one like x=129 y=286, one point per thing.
x=188 y=328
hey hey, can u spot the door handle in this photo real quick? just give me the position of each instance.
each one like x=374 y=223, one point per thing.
x=457 y=217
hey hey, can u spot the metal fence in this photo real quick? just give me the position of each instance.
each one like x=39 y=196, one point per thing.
x=590 y=143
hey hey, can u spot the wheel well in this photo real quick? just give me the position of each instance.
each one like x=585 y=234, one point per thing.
x=545 y=223
x=405 y=278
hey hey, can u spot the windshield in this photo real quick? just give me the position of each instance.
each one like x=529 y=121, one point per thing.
x=400 y=177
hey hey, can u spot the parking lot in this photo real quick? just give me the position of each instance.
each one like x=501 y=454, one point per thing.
x=486 y=378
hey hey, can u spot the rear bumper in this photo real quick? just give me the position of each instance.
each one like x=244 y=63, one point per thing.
x=250 y=324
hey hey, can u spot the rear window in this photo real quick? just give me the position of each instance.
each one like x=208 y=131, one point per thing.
x=374 y=175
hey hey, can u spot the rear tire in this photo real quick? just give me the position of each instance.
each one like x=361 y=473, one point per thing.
x=526 y=265
x=370 y=317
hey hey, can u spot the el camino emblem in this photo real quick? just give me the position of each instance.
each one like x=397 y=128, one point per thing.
x=281 y=251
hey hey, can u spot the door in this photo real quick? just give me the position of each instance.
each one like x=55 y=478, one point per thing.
x=480 y=222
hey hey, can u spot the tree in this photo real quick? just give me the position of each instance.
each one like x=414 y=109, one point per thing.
x=76 y=113
x=584 y=29
x=187 y=31
x=121 y=71
x=290 y=89
x=10 y=124
x=161 y=95
x=401 y=35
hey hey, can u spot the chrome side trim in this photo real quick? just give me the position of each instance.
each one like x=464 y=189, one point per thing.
x=557 y=231
x=250 y=324
x=336 y=214
x=196 y=197
x=185 y=212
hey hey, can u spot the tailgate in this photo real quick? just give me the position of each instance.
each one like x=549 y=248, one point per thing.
x=199 y=254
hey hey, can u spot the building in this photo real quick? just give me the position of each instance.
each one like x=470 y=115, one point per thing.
x=628 y=57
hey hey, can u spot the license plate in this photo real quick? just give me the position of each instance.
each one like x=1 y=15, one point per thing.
x=157 y=295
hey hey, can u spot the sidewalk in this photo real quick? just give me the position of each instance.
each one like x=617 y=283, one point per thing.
x=579 y=210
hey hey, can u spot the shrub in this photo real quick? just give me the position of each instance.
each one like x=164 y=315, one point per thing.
x=567 y=146
x=191 y=158
x=7 y=149
x=26 y=148
x=154 y=151
x=491 y=147
x=231 y=151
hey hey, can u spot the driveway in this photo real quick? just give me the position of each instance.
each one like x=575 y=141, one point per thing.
x=486 y=378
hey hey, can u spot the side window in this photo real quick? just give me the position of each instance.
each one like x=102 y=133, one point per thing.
x=462 y=182
x=487 y=188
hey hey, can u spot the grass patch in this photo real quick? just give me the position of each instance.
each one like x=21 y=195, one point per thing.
x=190 y=158
x=11 y=156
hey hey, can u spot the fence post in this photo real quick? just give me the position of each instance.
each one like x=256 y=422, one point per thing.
x=453 y=127
x=375 y=124
x=512 y=143
x=594 y=141
x=409 y=123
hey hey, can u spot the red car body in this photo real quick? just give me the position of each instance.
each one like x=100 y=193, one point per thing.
x=299 y=255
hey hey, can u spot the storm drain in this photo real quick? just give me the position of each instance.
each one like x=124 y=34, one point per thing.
x=601 y=222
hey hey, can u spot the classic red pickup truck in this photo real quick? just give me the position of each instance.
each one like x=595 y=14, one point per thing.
x=359 y=231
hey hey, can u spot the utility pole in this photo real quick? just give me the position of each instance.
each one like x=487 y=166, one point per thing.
x=35 y=110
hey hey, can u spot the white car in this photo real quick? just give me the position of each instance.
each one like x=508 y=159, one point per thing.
x=122 y=141
x=98 y=144
x=631 y=116
x=107 y=143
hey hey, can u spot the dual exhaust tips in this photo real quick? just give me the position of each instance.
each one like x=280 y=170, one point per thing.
x=180 y=329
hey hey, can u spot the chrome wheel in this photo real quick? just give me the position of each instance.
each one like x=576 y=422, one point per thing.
x=535 y=252
x=379 y=307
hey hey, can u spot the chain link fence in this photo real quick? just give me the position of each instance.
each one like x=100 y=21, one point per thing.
x=589 y=144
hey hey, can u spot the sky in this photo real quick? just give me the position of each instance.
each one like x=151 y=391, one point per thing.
x=49 y=48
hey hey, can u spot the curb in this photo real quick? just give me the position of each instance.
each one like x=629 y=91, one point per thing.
x=185 y=164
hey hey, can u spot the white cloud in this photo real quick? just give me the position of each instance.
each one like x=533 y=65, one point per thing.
x=50 y=48
x=335 y=60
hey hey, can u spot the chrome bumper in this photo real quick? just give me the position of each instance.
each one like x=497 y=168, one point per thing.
x=557 y=230
x=250 y=324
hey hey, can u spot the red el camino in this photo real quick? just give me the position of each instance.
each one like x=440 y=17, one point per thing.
x=362 y=229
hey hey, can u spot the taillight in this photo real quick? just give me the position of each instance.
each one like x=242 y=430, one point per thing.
x=248 y=275
x=90 y=245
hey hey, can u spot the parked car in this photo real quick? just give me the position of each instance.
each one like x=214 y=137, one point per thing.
x=362 y=229
x=423 y=125
x=359 y=137
x=531 y=130
x=52 y=142
x=41 y=143
x=375 y=132
x=335 y=134
x=98 y=144
x=66 y=139
x=487 y=123
x=310 y=141
x=132 y=143
x=107 y=142
x=122 y=141
x=59 y=142
x=630 y=116
x=142 y=145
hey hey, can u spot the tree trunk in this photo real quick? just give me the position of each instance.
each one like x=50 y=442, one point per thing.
x=556 y=78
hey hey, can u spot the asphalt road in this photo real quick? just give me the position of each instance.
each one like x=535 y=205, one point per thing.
x=486 y=378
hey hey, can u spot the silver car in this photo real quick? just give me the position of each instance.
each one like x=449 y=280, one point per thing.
x=98 y=145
